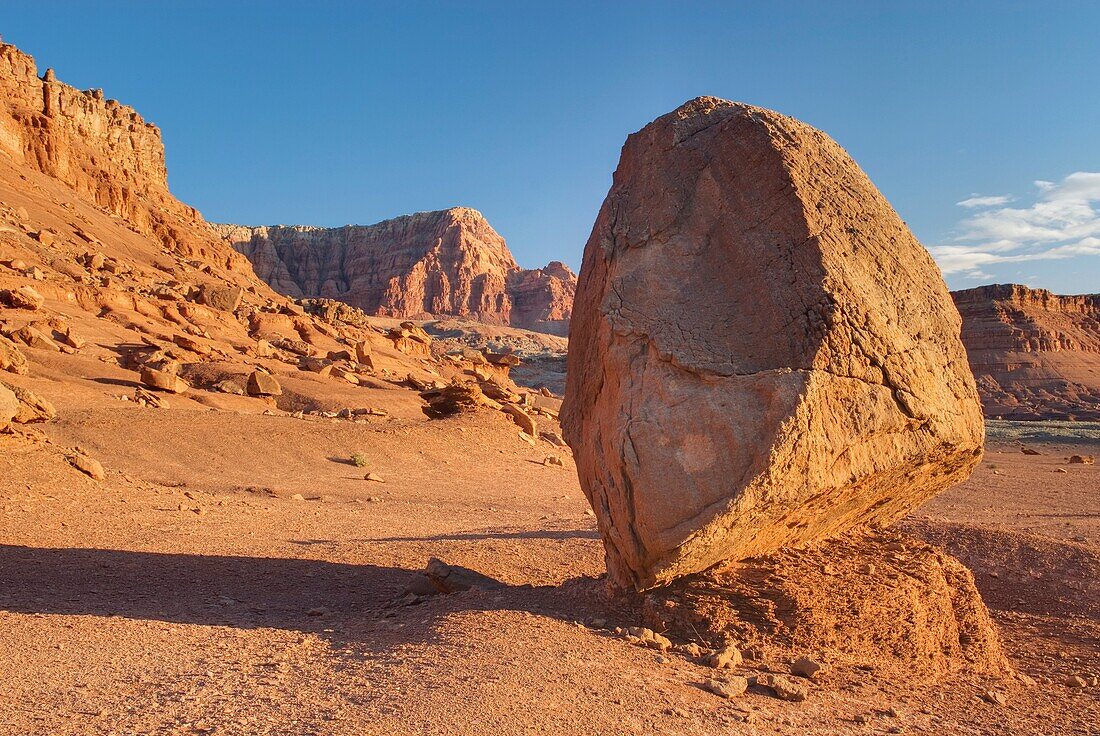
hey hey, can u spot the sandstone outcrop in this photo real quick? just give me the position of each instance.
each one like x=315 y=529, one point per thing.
x=103 y=150
x=761 y=353
x=1035 y=355
x=449 y=262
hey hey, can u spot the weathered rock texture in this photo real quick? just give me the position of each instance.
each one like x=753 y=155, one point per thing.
x=449 y=262
x=761 y=353
x=1035 y=355
x=102 y=149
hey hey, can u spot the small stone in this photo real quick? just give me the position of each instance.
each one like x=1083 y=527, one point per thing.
x=867 y=569
x=994 y=697
x=1060 y=470
x=163 y=380
x=553 y=460
x=730 y=656
x=756 y=654
x=318 y=611
x=90 y=467
x=806 y=667
x=1076 y=681
x=1073 y=460
x=783 y=687
x=375 y=477
x=297 y=497
x=263 y=384
x=733 y=687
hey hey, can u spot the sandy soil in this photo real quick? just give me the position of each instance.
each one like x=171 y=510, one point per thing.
x=235 y=574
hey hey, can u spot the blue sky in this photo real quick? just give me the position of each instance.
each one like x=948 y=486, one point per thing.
x=330 y=113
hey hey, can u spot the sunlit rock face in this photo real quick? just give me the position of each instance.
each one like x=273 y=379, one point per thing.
x=761 y=353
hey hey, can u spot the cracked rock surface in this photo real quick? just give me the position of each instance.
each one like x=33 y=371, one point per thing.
x=761 y=353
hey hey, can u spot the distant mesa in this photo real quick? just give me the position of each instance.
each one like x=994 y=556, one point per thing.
x=445 y=263
x=1035 y=355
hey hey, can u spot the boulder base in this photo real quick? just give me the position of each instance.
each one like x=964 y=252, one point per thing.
x=761 y=353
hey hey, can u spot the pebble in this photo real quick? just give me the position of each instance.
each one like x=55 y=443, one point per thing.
x=994 y=697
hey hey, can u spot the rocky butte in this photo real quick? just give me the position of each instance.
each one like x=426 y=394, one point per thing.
x=450 y=262
x=1036 y=355
x=761 y=353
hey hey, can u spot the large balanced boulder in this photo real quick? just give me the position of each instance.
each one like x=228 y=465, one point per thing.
x=761 y=353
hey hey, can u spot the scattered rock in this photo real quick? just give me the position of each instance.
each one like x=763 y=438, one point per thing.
x=732 y=687
x=9 y=407
x=1029 y=451
x=648 y=638
x=32 y=407
x=22 y=298
x=783 y=687
x=33 y=337
x=88 y=466
x=994 y=697
x=375 y=477
x=11 y=358
x=806 y=667
x=1081 y=460
x=263 y=384
x=226 y=298
x=726 y=397
x=553 y=460
x=524 y=420
x=453 y=578
x=454 y=399
x=148 y=398
x=729 y=656
x=1076 y=681
x=163 y=380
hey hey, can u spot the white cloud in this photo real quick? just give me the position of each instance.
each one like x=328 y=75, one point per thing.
x=1063 y=222
x=978 y=201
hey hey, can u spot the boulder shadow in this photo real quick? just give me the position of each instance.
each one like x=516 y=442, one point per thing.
x=338 y=601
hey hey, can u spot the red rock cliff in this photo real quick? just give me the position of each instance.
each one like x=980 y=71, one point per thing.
x=1035 y=355
x=103 y=150
x=449 y=262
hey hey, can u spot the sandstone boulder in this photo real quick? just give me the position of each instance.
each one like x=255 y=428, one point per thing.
x=31 y=407
x=11 y=358
x=761 y=353
x=9 y=407
x=226 y=298
x=33 y=337
x=263 y=384
x=22 y=298
x=163 y=380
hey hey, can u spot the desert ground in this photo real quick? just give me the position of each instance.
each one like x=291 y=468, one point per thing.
x=235 y=573
x=224 y=511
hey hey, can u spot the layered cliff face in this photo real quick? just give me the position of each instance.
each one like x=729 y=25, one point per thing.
x=449 y=262
x=104 y=151
x=1035 y=355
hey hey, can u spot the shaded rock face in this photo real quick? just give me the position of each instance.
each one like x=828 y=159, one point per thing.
x=103 y=150
x=1035 y=355
x=449 y=262
x=761 y=353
